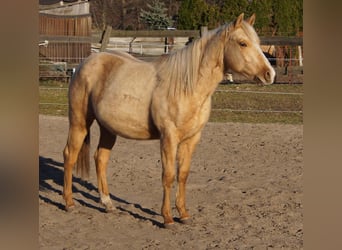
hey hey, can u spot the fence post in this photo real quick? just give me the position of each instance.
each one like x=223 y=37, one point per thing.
x=204 y=30
x=105 y=39
x=300 y=55
x=130 y=48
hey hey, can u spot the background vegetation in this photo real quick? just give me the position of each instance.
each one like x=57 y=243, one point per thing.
x=274 y=17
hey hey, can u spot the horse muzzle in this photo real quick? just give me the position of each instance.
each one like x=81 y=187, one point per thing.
x=267 y=77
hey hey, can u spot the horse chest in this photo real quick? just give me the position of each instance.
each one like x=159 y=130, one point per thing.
x=195 y=118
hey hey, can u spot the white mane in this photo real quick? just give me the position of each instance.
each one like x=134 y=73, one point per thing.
x=179 y=70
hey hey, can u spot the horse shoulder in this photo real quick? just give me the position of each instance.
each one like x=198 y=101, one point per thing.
x=184 y=116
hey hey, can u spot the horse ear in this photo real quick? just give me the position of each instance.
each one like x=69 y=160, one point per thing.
x=239 y=20
x=251 y=19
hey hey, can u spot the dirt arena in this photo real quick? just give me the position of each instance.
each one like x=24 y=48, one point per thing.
x=245 y=191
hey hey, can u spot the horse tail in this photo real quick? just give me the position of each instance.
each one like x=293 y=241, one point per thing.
x=81 y=115
x=83 y=160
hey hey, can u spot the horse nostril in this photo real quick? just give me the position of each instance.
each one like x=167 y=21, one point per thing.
x=268 y=75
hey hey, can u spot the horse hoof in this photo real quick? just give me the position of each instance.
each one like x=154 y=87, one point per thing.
x=169 y=225
x=70 y=208
x=110 y=209
x=186 y=221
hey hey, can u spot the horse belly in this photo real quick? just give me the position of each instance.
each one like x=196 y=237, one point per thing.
x=127 y=115
x=132 y=124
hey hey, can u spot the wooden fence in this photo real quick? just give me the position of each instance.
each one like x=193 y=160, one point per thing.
x=277 y=40
x=72 y=44
x=69 y=38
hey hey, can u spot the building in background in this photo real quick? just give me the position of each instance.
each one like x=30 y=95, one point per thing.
x=64 y=31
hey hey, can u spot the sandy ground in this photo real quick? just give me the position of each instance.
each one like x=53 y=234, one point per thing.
x=245 y=191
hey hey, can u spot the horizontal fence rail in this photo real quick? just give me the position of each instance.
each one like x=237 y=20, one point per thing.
x=218 y=90
x=213 y=109
x=258 y=92
x=96 y=38
x=264 y=40
x=66 y=39
x=155 y=33
x=258 y=111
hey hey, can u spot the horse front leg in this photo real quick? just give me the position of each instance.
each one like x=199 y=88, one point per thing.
x=184 y=155
x=168 y=146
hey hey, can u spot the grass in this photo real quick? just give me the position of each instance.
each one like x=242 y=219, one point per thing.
x=231 y=103
x=256 y=104
x=53 y=98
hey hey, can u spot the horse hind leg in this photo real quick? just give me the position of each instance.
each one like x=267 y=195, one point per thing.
x=102 y=154
x=76 y=138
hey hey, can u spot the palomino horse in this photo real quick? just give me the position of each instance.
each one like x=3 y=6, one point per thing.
x=169 y=99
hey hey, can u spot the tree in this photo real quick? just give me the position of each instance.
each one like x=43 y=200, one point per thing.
x=264 y=14
x=276 y=17
x=287 y=16
x=155 y=17
x=196 y=13
x=229 y=10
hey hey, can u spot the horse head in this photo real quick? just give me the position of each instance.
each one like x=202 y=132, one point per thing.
x=242 y=51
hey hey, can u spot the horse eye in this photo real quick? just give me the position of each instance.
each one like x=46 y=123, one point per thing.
x=242 y=44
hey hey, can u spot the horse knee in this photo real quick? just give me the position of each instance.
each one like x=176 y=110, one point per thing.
x=69 y=160
x=168 y=179
x=66 y=153
x=100 y=160
x=183 y=176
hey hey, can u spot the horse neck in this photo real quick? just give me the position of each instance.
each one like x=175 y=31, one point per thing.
x=194 y=70
x=211 y=67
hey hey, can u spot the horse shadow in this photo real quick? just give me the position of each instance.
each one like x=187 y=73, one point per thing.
x=50 y=169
